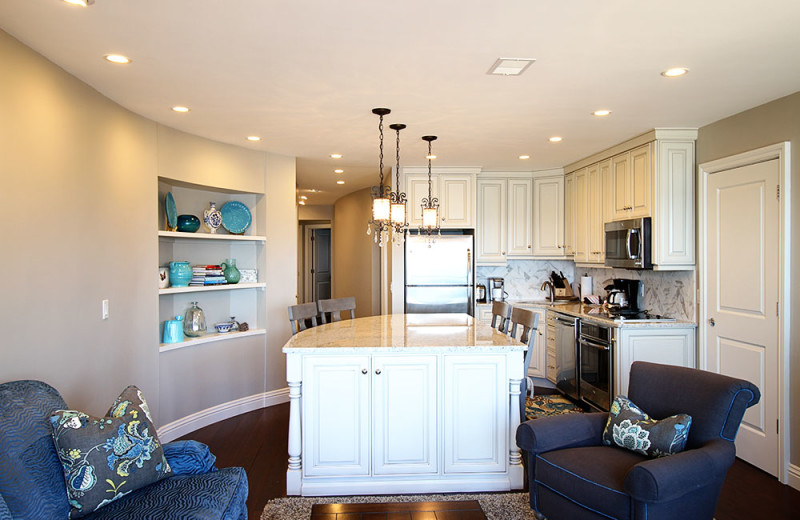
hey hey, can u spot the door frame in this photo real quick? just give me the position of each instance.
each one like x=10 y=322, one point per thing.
x=308 y=260
x=781 y=152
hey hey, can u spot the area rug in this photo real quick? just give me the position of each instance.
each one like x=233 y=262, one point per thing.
x=496 y=506
x=547 y=405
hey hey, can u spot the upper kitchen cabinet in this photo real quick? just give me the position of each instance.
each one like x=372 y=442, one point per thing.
x=649 y=176
x=453 y=187
x=569 y=215
x=548 y=215
x=491 y=231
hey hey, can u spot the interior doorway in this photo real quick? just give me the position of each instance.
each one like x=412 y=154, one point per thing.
x=744 y=292
x=317 y=263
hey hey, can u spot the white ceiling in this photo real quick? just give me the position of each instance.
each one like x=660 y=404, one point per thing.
x=305 y=74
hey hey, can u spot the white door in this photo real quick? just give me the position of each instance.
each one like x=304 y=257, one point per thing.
x=404 y=421
x=742 y=296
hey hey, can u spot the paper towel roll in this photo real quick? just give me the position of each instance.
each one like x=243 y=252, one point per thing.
x=586 y=286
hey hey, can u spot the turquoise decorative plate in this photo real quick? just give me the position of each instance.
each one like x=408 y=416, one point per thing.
x=236 y=218
x=172 y=213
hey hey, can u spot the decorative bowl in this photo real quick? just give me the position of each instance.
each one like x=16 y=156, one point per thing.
x=222 y=328
x=188 y=223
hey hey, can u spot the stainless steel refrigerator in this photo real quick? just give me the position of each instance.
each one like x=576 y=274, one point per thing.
x=439 y=274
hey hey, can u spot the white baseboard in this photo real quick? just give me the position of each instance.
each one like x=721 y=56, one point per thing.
x=794 y=476
x=185 y=425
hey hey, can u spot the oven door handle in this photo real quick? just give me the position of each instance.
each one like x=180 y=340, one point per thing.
x=590 y=343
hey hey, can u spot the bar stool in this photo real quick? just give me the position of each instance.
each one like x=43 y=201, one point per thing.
x=528 y=321
x=501 y=313
x=299 y=314
x=335 y=306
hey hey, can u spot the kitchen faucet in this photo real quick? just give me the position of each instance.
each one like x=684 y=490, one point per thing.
x=547 y=284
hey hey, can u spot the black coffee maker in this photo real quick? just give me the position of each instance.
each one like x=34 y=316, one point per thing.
x=626 y=292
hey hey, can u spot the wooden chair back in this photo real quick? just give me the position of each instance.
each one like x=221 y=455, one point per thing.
x=300 y=315
x=335 y=306
x=528 y=322
x=501 y=313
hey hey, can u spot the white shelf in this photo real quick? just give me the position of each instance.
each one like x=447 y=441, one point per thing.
x=210 y=338
x=208 y=288
x=209 y=236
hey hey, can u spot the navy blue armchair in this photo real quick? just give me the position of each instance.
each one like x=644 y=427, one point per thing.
x=573 y=476
x=32 y=485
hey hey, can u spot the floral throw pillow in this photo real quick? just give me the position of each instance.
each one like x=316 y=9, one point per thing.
x=105 y=458
x=631 y=428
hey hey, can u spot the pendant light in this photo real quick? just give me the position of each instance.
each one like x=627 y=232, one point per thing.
x=430 y=205
x=398 y=198
x=381 y=205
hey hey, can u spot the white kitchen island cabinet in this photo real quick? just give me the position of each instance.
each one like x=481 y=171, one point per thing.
x=403 y=403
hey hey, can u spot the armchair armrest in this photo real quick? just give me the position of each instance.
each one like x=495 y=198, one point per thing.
x=668 y=478
x=5 y=514
x=561 y=431
x=189 y=458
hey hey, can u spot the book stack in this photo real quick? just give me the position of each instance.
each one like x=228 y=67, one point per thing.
x=207 y=275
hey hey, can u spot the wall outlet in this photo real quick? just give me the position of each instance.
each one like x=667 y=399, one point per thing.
x=105 y=309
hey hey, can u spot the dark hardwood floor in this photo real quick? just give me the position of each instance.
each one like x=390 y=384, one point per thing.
x=257 y=441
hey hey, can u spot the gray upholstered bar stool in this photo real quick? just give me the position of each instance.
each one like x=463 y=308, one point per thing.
x=528 y=322
x=335 y=306
x=501 y=313
x=298 y=314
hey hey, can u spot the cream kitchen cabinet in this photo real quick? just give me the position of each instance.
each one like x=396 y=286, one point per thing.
x=631 y=181
x=454 y=191
x=670 y=345
x=580 y=243
x=569 y=215
x=520 y=217
x=538 y=366
x=491 y=232
x=548 y=216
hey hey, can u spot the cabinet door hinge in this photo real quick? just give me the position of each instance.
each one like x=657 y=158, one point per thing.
x=778 y=426
x=778 y=194
x=778 y=309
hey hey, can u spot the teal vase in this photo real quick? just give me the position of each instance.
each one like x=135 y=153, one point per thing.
x=180 y=274
x=229 y=270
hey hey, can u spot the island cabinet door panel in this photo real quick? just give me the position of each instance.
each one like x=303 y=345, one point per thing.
x=404 y=411
x=336 y=415
x=475 y=414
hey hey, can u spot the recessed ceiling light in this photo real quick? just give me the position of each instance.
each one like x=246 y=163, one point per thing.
x=601 y=113
x=338 y=170
x=674 y=73
x=253 y=138
x=180 y=109
x=430 y=156
x=82 y=3
x=303 y=197
x=117 y=58
x=314 y=190
x=339 y=182
x=302 y=203
x=524 y=157
x=555 y=139
x=510 y=66
x=336 y=156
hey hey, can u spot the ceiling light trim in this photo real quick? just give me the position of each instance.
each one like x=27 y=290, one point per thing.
x=510 y=66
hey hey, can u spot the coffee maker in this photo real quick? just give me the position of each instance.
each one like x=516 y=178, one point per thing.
x=627 y=293
x=496 y=290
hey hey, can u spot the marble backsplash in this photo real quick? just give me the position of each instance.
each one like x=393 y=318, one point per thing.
x=523 y=278
x=671 y=293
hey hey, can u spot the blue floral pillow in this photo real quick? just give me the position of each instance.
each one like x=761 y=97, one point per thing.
x=105 y=458
x=631 y=428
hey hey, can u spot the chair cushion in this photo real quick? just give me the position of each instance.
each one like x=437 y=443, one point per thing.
x=592 y=476
x=631 y=428
x=105 y=458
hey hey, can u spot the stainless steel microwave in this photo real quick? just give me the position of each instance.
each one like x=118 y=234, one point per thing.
x=628 y=243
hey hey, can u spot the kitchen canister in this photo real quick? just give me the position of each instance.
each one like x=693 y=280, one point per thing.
x=180 y=274
x=173 y=330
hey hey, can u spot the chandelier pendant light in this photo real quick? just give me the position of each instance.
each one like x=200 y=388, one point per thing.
x=398 y=198
x=380 y=222
x=430 y=205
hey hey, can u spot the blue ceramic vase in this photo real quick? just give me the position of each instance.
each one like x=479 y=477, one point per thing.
x=230 y=271
x=188 y=223
x=180 y=274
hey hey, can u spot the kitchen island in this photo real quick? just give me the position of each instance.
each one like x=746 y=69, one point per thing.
x=403 y=403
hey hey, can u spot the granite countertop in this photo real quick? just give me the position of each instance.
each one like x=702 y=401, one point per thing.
x=403 y=333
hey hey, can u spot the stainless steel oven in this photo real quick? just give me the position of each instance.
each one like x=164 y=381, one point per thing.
x=628 y=243
x=596 y=343
x=565 y=332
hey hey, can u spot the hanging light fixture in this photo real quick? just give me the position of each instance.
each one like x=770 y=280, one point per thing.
x=430 y=205
x=381 y=205
x=398 y=198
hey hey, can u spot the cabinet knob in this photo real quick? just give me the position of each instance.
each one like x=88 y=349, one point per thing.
x=363 y=370
x=378 y=371
x=503 y=253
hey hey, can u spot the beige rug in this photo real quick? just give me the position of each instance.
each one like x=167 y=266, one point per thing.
x=497 y=506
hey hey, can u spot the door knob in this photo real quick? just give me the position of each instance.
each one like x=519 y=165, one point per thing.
x=712 y=322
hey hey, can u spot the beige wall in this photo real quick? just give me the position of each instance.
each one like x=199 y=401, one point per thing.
x=765 y=125
x=356 y=258
x=314 y=212
x=79 y=180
